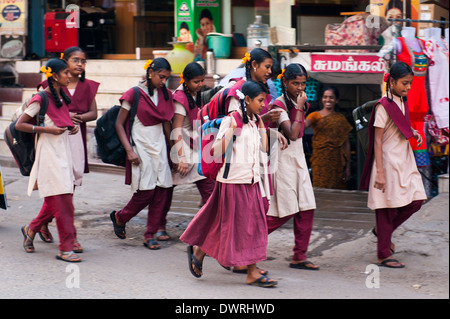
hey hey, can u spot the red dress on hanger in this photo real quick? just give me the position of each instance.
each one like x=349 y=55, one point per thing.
x=417 y=97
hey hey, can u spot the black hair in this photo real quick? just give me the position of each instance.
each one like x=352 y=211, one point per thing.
x=57 y=65
x=251 y=89
x=335 y=92
x=184 y=25
x=398 y=70
x=258 y=55
x=157 y=65
x=191 y=71
x=291 y=72
x=205 y=13
x=68 y=53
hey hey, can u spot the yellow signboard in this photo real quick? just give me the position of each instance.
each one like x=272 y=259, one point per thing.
x=13 y=17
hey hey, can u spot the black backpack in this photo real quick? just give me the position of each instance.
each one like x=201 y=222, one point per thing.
x=22 y=144
x=109 y=147
x=361 y=116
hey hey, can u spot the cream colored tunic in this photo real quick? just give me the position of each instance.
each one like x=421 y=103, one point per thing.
x=52 y=170
x=403 y=181
x=291 y=183
x=150 y=146
x=191 y=156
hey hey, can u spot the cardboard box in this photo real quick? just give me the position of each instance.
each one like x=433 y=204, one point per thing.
x=443 y=3
x=431 y=12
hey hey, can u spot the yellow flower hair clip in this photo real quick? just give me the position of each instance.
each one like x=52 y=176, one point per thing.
x=246 y=58
x=62 y=56
x=281 y=74
x=147 y=64
x=47 y=71
x=181 y=78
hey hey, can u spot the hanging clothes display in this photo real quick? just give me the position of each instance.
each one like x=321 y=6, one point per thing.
x=438 y=53
x=417 y=96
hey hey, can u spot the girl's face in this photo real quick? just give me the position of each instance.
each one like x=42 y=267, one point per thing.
x=77 y=63
x=401 y=86
x=295 y=86
x=195 y=85
x=206 y=25
x=255 y=105
x=329 y=100
x=62 y=78
x=261 y=72
x=159 y=78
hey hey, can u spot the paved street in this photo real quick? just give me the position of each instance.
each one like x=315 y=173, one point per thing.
x=112 y=268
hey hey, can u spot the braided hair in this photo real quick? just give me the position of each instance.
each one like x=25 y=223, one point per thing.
x=291 y=72
x=191 y=71
x=68 y=53
x=251 y=89
x=157 y=65
x=398 y=71
x=57 y=65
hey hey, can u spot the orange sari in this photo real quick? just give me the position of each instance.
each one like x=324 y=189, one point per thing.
x=329 y=158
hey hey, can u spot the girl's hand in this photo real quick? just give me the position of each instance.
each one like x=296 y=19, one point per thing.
x=272 y=116
x=74 y=130
x=182 y=167
x=56 y=130
x=418 y=137
x=282 y=141
x=133 y=158
x=380 y=182
x=301 y=101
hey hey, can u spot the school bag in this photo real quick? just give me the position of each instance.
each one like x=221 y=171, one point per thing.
x=361 y=116
x=216 y=107
x=22 y=144
x=109 y=147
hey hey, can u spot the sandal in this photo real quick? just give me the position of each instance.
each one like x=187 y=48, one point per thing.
x=260 y=282
x=68 y=256
x=28 y=241
x=77 y=247
x=151 y=244
x=46 y=236
x=304 y=265
x=162 y=236
x=385 y=263
x=244 y=271
x=118 y=230
x=193 y=261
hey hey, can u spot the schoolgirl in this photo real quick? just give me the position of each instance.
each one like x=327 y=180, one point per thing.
x=293 y=194
x=188 y=100
x=390 y=173
x=222 y=228
x=147 y=165
x=52 y=172
x=83 y=108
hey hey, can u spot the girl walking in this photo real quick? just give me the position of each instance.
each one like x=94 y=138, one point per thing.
x=52 y=171
x=147 y=167
x=293 y=195
x=390 y=173
x=222 y=228
x=83 y=108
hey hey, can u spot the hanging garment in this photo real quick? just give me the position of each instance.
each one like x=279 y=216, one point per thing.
x=438 y=81
x=417 y=97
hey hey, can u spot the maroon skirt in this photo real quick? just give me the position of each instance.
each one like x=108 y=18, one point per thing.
x=231 y=227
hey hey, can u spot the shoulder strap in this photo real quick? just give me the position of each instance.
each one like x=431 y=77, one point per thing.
x=133 y=110
x=43 y=108
x=221 y=101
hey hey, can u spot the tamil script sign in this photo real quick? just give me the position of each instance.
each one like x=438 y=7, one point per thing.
x=347 y=63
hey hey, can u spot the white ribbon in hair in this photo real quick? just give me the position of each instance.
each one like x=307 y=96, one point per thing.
x=240 y=95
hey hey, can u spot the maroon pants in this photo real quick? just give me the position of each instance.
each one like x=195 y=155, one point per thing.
x=158 y=200
x=388 y=220
x=303 y=224
x=61 y=208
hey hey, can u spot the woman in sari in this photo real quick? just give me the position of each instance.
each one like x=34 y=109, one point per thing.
x=330 y=160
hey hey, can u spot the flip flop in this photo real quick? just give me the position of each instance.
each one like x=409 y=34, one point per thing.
x=385 y=262
x=244 y=271
x=194 y=261
x=118 y=230
x=264 y=284
x=28 y=241
x=68 y=256
x=46 y=236
x=162 y=233
x=303 y=265
x=152 y=244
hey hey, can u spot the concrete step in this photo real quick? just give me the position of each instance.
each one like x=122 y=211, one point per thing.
x=9 y=108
